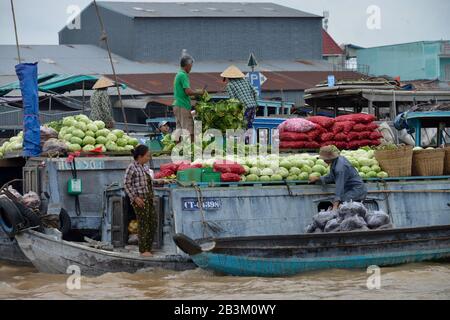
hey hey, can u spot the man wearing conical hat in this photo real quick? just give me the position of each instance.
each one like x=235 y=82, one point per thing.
x=101 y=108
x=238 y=87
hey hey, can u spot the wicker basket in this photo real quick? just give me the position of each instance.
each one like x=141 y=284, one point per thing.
x=447 y=161
x=397 y=163
x=428 y=163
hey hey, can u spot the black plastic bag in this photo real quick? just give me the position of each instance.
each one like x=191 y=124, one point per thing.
x=332 y=226
x=352 y=223
x=351 y=209
x=322 y=218
x=377 y=219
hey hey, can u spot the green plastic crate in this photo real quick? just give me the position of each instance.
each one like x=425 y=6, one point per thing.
x=211 y=177
x=190 y=175
x=207 y=170
x=154 y=145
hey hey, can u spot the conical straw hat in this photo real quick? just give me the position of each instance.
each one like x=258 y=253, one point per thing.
x=103 y=83
x=232 y=72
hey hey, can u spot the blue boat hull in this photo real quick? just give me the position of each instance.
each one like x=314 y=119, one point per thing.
x=267 y=267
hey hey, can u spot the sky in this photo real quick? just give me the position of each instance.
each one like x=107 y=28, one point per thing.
x=366 y=23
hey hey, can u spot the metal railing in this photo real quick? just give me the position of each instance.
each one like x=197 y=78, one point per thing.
x=356 y=67
x=15 y=117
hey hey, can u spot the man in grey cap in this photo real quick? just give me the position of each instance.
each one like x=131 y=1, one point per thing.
x=182 y=93
x=163 y=127
x=349 y=184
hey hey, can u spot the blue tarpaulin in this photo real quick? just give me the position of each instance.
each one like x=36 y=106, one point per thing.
x=27 y=74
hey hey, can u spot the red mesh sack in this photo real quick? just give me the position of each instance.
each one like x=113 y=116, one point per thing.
x=169 y=166
x=375 y=135
x=185 y=166
x=344 y=127
x=314 y=135
x=352 y=136
x=229 y=167
x=327 y=136
x=359 y=127
x=340 y=137
x=357 y=117
x=324 y=122
x=292 y=144
x=164 y=174
x=342 y=145
x=297 y=125
x=371 y=126
x=364 y=135
x=312 y=145
x=230 y=177
x=294 y=136
x=375 y=142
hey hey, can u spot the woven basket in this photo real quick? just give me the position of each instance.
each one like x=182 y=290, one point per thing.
x=397 y=163
x=428 y=163
x=447 y=161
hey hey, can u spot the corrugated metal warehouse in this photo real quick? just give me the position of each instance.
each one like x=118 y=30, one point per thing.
x=209 y=31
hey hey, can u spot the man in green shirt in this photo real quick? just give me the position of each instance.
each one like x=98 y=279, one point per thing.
x=182 y=93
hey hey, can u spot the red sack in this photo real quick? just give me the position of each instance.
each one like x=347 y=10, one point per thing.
x=324 y=122
x=375 y=135
x=342 y=145
x=164 y=174
x=344 y=127
x=359 y=143
x=230 y=177
x=327 y=136
x=329 y=143
x=292 y=144
x=185 y=166
x=375 y=142
x=359 y=127
x=340 y=137
x=352 y=136
x=228 y=167
x=315 y=134
x=364 y=135
x=357 y=117
x=169 y=166
x=312 y=145
x=371 y=126
x=294 y=136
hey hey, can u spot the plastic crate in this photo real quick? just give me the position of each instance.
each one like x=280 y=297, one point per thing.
x=154 y=145
x=190 y=175
x=211 y=177
x=207 y=170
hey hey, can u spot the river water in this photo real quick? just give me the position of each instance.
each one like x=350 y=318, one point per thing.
x=412 y=281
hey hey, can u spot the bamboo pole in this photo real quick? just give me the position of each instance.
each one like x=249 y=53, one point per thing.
x=15 y=31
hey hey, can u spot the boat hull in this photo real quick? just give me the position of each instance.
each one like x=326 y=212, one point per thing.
x=275 y=256
x=10 y=251
x=51 y=255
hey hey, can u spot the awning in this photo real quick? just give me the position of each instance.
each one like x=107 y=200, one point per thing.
x=7 y=88
x=64 y=83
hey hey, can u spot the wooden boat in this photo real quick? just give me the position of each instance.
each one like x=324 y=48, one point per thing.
x=50 y=254
x=274 y=256
x=10 y=251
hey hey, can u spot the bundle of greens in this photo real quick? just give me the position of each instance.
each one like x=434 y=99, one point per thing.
x=222 y=115
x=168 y=143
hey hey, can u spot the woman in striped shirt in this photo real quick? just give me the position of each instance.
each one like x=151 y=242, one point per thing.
x=138 y=186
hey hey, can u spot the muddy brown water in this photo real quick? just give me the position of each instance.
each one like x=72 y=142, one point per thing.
x=412 y=281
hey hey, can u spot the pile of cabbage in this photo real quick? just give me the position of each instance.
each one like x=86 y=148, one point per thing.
x=14 y=144
x=364 y=161
x=82 y=134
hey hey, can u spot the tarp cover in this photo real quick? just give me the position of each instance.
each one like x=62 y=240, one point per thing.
x=7 y=88
x=27 y=74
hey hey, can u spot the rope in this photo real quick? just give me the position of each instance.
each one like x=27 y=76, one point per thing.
x=15 y=31
x=104 y=38
x=207 y=225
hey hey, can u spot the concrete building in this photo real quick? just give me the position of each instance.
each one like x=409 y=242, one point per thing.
x=158 y=32
x=410 y=61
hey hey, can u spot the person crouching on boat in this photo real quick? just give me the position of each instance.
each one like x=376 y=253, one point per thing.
x=138 y=186
x=349 y=184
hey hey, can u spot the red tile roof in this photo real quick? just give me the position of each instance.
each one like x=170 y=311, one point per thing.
x=329 y=46
x=162 y=83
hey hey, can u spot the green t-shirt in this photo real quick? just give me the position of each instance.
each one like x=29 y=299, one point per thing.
x=181 y=98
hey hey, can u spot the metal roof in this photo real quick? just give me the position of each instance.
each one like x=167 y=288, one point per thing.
x=204 y=9
x=162 y=84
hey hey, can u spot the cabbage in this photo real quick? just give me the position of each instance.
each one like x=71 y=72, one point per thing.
x=102 y=133
x=89 y=141
x=81 y=125
x=92 y=127
x=78 y=133
x=382 y=175
x=376 y=168
x=74 y=147
x=256 y=171
x=264 y=178
x=417 y=148
x=371 y=174
x=292 y=178
x=286 y=164
x=362 y=175
x=121 y=149
x=88 y=148
x=111 y=146
x=118 y=133
x=365 y=169
x=246 y=168
x=101 y=140
x=100 y=124
x=320 y=169
x=320 y=162
x=295 y=171
x=67 y=137
x=90 y=133
x=364 y=162
x=133 y=141
x=82 y=118
x=15 y=139
x=70 y=129
x=76 y=140
x=267 y=172
x=307 y=169
x=111 y=137
x=310 y=163
x=122 y=142
x=102 y=146
x=243 y=179
x=283 y=172
x=128 y=148
x=69 y=122
x=303 y=176
x=252 y=177
x=277 y=177
x=315 y=174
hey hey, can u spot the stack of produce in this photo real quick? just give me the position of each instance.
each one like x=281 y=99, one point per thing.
x=169 y=170
x=345 y=132
x=364 y=161
x=351 y=216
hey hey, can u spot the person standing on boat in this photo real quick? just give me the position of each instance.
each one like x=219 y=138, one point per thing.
x=101 y=108
x=138 y=186
x=349 y=184
x=238 y=87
